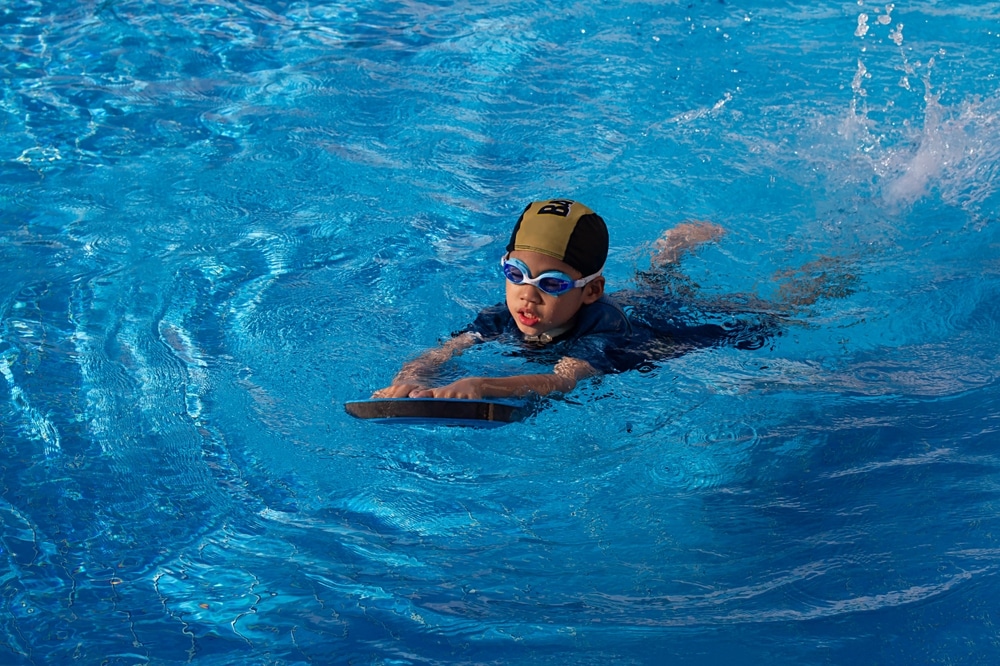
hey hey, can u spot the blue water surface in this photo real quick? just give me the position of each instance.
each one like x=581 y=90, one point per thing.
x=220 y=221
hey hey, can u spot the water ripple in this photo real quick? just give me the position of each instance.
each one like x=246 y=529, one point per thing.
x=222 y=220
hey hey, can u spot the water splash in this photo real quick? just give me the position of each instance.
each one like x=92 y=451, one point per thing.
x=915 y=144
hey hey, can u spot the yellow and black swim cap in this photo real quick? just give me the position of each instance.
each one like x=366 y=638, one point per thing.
x=566 y=230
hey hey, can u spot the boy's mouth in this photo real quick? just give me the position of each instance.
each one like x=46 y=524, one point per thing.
x=527 y=318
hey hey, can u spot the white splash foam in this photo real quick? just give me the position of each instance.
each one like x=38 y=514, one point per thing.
x=862 y=28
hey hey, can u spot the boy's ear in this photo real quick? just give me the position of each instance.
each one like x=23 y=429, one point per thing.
x=592 y=291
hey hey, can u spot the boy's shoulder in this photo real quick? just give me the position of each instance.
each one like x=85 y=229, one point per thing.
x=604 y=316
x=490 y=322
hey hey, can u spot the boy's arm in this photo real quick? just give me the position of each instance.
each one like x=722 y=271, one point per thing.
x=563 y=378
x=686 y=236
x=415 y=375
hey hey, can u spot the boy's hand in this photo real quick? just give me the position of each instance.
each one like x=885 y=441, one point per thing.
x=401 y=390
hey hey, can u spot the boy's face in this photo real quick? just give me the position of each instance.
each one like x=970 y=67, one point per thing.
x=536 y=312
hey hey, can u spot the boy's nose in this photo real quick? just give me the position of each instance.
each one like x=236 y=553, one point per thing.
x=529 y=292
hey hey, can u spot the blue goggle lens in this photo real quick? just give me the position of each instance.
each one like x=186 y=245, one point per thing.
x=550 y=282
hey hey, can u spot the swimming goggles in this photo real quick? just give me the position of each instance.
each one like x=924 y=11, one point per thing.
x=553 y=283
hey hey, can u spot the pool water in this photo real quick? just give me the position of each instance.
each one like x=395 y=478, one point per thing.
x=221 y=221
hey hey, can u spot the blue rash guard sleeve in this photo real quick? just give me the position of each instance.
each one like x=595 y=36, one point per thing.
x=601 y=333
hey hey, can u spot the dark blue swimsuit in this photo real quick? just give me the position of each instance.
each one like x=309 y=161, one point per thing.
x=632 y=330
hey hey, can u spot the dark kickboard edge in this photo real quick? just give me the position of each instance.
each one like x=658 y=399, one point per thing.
x=435 y=409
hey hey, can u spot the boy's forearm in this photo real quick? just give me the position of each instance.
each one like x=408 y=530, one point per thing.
x=425 y=365
x=416 y=374
x=522 y=385
x=417 y=370
x=474 y=388
x=562 y=379
x=682 y=238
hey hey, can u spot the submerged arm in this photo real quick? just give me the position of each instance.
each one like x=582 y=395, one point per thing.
x=416 y=374
x=687 y=236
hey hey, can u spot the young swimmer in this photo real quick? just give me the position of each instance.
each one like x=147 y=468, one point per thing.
x=556 y=307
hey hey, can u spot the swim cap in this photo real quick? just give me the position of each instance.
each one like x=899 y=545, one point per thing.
x=566 y=230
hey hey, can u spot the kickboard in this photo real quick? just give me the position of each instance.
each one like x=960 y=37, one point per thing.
x=438 y=411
